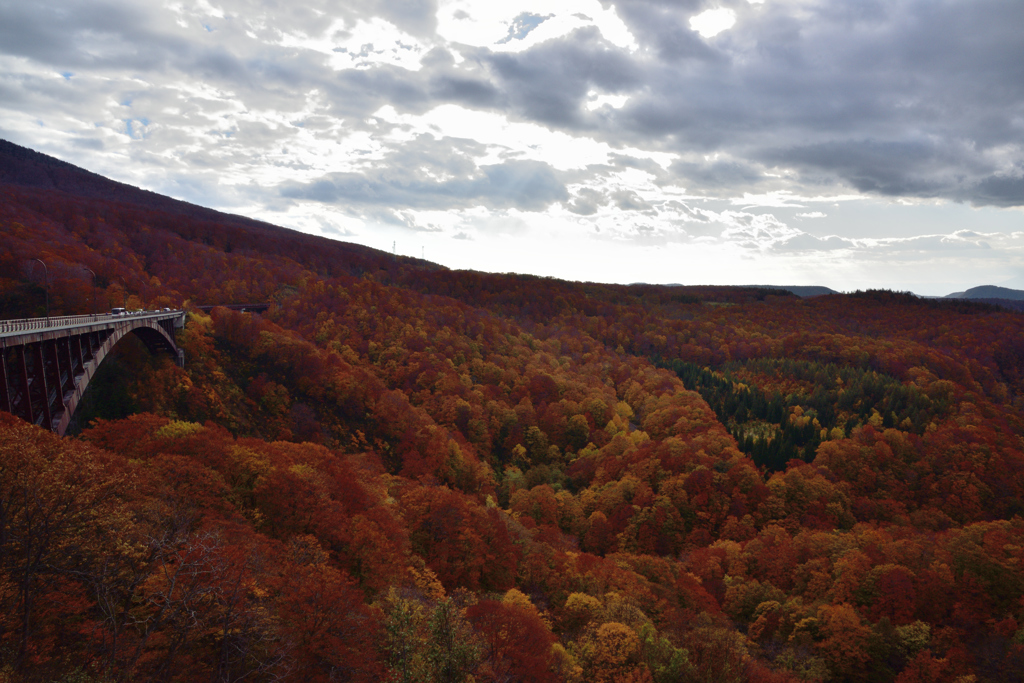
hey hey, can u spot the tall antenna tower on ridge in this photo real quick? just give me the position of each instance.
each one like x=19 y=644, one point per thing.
x=394 y=251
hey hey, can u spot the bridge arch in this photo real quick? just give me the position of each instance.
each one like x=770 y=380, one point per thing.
x=46 y=364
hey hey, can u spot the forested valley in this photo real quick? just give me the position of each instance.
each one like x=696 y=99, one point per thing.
x=404 y=473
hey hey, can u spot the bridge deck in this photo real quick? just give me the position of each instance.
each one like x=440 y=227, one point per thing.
x=77 y=324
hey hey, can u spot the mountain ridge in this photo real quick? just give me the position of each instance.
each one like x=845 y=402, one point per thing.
x=27 y=170
x=988 y=292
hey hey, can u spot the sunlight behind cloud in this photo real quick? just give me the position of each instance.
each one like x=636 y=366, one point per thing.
x=487 y=24
x=506 y=139
x=711 y=22
x=596 y=101
x=368 y=44
x=785 y=198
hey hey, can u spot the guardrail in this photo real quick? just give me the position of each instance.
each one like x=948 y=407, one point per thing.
x=30 y=324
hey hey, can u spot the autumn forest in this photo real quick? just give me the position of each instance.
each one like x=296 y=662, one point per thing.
x=404 y=473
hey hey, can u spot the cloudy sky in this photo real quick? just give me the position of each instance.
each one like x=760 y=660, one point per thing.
x=848 y=144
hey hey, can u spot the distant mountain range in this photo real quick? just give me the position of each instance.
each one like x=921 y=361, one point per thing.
x=1004 y=297
x=983 y=292
x=989 y=292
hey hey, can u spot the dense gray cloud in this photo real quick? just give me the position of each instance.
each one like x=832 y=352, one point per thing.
x=527 y=185
x=550 y=82
x=895 y=98
x=999 y=190
x=913 y=98
x=664 y=28
x=720 y=173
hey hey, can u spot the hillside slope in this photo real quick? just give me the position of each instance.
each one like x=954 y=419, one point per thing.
x=405 y=473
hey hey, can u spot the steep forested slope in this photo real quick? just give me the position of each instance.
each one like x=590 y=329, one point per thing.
x=404 y=473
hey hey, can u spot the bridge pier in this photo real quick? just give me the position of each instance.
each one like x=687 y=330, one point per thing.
x=44 y=389
x=26 y=386
x=5 y=392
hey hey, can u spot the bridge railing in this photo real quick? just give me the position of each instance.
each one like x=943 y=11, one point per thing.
x=30 y=324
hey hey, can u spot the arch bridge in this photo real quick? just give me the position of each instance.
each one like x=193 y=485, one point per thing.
x=47 y=363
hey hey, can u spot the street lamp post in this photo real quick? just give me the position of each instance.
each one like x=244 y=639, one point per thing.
x=46 y=275
x=124 y=293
